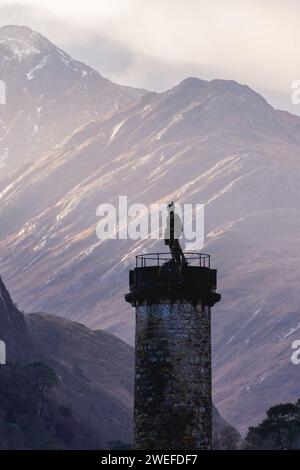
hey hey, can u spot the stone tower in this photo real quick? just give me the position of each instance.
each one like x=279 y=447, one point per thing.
x=173 y=395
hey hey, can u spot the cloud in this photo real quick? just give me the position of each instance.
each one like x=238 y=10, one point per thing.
x=154 y=44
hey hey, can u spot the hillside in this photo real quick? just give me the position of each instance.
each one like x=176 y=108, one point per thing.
x=64 y=386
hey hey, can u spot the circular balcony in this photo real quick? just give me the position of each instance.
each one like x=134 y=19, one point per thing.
x=161 y=259
x=158 y=278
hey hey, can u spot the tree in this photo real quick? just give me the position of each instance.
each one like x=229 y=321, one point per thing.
x=279 y=430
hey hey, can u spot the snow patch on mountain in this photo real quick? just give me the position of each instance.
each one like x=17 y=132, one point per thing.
x=31 y=74
x=116 y=130
x=17 y=49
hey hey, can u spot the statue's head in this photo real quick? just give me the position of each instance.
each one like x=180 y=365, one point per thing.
x=171 y=207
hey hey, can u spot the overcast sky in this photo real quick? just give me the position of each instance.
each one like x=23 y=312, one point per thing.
x=154 y=44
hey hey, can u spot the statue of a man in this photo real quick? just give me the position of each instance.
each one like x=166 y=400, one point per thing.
x=173 y=233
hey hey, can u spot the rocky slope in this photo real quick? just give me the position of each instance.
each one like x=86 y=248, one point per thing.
x=96 y=374
x=225 y=437
x=217 y=143
x=13 y=329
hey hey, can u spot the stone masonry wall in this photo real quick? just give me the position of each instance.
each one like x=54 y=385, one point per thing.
x=173 y=397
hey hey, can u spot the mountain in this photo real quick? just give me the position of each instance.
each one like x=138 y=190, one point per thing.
x=224 y=436
x=13 y=329
x=64 y=386
x=96 y=374
x=213 y=142
x=67 y=387
x=48 y=96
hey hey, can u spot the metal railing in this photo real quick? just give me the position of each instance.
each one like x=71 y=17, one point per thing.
x=159 y=259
